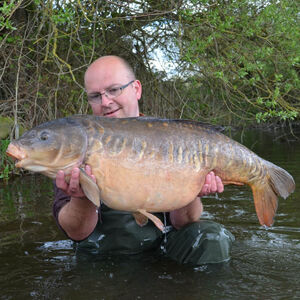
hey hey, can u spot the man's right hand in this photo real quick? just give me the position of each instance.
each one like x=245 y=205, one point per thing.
x=72 y=188
x=79 y=216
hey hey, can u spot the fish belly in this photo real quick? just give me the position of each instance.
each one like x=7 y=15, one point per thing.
x=148 y=186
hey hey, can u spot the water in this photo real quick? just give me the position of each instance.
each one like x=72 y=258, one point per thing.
x=37 y=262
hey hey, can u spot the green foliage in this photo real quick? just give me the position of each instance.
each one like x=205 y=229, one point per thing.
x=249 y=55
x=5 y=12
x=234 y=61
x=6 y=164
x=63 y=16
x=272 y=114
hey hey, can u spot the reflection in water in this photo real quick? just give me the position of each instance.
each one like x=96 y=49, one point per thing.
x=37 y=262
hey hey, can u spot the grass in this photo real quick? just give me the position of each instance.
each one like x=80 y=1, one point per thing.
x=7 y=167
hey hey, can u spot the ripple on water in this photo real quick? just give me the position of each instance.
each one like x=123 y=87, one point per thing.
x=56 y=245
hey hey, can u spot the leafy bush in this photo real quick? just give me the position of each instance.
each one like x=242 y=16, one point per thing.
x=6 y=163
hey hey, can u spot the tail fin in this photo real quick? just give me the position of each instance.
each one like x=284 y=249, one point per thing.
x=278 y=182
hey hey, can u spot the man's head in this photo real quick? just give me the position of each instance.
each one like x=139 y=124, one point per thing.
x=107 y=77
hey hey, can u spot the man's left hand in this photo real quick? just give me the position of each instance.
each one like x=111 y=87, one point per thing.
x=213 y=184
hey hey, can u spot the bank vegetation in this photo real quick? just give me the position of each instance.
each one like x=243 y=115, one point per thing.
x=224 y=62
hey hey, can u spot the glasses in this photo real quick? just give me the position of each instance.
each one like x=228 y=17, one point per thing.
x=110 y=93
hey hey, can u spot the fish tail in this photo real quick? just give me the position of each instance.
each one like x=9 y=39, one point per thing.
x=277 y=182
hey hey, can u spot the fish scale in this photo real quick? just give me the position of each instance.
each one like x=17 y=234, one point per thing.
x=146 y=165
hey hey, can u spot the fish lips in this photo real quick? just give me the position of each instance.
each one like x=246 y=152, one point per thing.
x=22 y=160
x=16 y=153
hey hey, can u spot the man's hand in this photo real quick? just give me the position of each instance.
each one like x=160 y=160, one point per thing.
x=79 y=216
x=72 y=188
x=213 y=184
x=192 y=212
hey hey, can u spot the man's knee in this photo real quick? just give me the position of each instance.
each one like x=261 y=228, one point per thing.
x=199 y=243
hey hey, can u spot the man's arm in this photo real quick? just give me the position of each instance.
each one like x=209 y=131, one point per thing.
x=192 y=212
x=79 y=217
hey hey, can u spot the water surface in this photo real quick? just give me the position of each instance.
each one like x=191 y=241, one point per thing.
x=38 y=262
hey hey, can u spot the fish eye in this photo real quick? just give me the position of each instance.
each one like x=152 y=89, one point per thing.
x=44 y=136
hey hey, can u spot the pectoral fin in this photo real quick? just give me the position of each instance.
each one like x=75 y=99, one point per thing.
x=89 y=187
x=158 y=223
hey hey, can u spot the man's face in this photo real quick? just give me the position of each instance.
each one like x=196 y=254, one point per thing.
x=106 y=74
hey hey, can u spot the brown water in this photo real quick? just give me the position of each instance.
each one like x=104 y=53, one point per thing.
x=37 y=262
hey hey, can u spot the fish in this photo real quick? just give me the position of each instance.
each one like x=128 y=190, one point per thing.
x=146 y=165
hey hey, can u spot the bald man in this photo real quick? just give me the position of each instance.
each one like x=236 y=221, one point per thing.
x=113 y=91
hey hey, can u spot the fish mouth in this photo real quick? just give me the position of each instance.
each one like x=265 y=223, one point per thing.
x=16 y=153
x=107 y=114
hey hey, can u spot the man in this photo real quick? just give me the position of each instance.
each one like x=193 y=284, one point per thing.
x=114 y=92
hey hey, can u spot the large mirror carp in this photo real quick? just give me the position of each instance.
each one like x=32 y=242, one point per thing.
x=145 y=165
